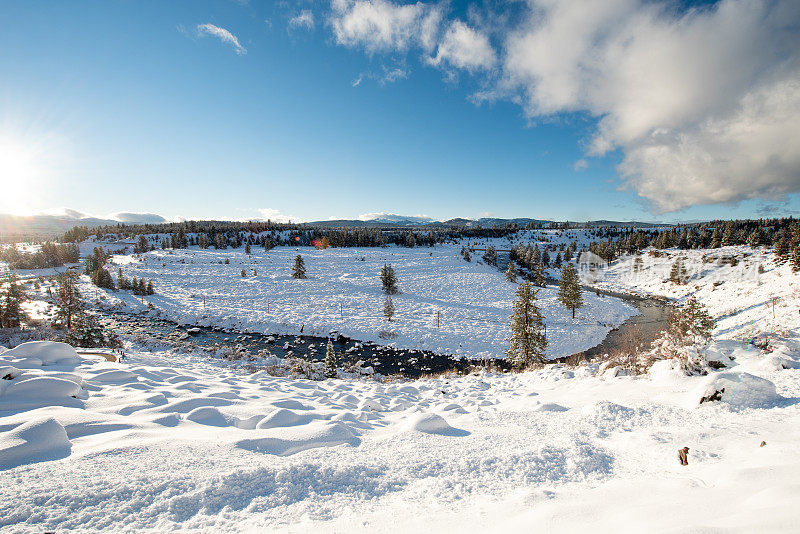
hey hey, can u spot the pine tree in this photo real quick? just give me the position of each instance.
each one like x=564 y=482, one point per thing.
x=102 y=278
x=388 y=308
x=331 y=361
x=389 y=280
x=490 y=256
x=691 y=321
x=511 y=272
x=69 y=298
x=569 y=290
x=247 y=248
x=244 y=274
x=11 y=313
x=150 y=289
x=528 y=341
x=677 y=272
x=538 y=275
x=142 y=245
x=299 y=269
x=755 y=239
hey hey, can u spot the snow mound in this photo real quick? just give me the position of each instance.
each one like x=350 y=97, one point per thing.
x=210 y=416
x=35 y=441
x=281 y=418
x=431 y=423
x=301 y=439
x=551 y=407
x=44 y=353
x=42 y=387
x=739 y=390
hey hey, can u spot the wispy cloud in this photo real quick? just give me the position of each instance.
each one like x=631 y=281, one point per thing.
x=276 y=216
x=303 y=20
x=222 y=34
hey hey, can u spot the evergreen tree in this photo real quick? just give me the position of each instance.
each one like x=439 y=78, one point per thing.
x=69 y=298
x=247 y=248
x=102 y=278
x=465 y=254
x=388 y=308
x=755 y=239
x=511 y=272
x=389 y=280
x=490 y=256
x=299 y=269
x=87 y=332
x=150 y=289
x=677 y=274
x=528 y=341
x=244 y=274
x=691 y=321
x=569 y=289
x=331 y=360
x=142 y=245
x=11 y=314
x=538 y=275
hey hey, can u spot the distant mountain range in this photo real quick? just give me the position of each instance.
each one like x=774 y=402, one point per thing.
x=485 y=222
x=54 y=224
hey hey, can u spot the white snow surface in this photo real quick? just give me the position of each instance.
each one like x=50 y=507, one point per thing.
x=169 y=441
x=343 y=293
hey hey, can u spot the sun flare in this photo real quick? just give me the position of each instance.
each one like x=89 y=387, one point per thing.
x=21 y=170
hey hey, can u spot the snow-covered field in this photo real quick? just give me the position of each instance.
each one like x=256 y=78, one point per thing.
x=471 y=301
x=166 y=441
x=743 y=300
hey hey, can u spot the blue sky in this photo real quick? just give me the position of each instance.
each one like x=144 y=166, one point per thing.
x=134 y=106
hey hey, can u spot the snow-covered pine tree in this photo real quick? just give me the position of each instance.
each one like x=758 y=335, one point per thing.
x=511 y=272
x=299 y=269
x=389 y=280
x=388 y=308
x=538 y=275
x=331 y=360
x=490 y=256
x=528 y=341
x=569 y=288
x=68 y=296
x=247 y=248
x=675 y=272
x=11 y=313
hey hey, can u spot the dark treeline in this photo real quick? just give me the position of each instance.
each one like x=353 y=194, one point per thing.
x=221 y=235
x=608 y=242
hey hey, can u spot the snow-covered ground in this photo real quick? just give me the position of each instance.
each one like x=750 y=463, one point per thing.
x=471 y=301
x=167 y=441
x=744 y=299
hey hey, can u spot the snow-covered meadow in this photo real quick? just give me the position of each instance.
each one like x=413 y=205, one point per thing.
x=745 y=290
x=447 y=305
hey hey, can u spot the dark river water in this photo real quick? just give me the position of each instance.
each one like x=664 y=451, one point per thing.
x=408 y=363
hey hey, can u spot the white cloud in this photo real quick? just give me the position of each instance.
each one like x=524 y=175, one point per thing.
x=383 y=26
x=485 y=214
x=702 y=104
x=276 y=216
x=305 y=20
x=465 y=48
x=394 y=217
x=222 y=34
x=581 y=165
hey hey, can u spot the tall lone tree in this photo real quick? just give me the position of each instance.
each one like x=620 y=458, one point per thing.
x=69 y=298
x=569 y=289
x=331 y=360
x=528 y=340
x=511 y=272
x=538 y=275
x=11 y=314
x=299 y=269
x=389 y=280
x=388 y=308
